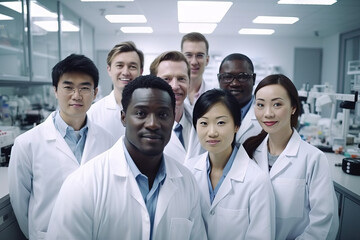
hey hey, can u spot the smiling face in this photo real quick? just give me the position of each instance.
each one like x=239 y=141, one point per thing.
x=124 y=68
x=176 y=75
x=273 y=109
x=216 y=130
x=148 y=120
x=74 y=105
x=241 y=90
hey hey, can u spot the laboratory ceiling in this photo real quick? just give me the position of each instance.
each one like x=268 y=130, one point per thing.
x=161 y=15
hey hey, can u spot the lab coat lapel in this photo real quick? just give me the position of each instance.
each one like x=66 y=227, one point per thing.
x=200 y=167
x=236 y=173
x=246 y=124
x=167 y=190
x=286 y=156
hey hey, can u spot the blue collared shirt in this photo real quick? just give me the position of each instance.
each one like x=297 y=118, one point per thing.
x=76 y=142
x=150 y=196
x=226 y=170
x=246 y=108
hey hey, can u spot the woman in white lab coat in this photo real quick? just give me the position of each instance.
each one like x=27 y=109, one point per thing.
x=237 y=201
x=306 y=204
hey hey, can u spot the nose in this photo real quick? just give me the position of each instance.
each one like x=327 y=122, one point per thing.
x=213 y=131
x=174 y=84
x=192 y=59
x=76 y=95
x=125 y=71
x=268 y=112
x=152 y=122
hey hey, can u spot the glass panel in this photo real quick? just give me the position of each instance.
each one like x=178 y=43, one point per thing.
x=87 y=40
x=70 y=32
x=44 y=36
x=12 y=47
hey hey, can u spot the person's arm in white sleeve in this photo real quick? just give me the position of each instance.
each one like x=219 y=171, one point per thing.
x=72 y=216
x=20 y=183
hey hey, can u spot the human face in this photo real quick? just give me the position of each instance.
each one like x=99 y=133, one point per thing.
x=176 y=75
x=195 y=53
x=241 y=90
x=273 y=109
x=74 y=105
x=216 y=130
x=124 y=68
x=148 y=121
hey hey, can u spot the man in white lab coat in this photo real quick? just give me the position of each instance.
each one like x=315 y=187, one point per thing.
x=44 y=156
x=173 y=67
x=124 y=63
x=236 y=74
x=133 y=190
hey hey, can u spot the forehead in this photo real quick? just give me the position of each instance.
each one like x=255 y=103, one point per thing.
x=218 y=109
x=194 y=47
x=151 y=98
x=126 y=57
x=76 y=78
x=272 y=91
x=235 y=66
x=169 y=67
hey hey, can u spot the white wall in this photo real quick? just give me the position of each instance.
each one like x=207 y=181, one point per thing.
x=263 y=50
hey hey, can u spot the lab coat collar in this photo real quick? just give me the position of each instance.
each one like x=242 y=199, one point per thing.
x=246 y=123
x=285 y=158
x=110 y=102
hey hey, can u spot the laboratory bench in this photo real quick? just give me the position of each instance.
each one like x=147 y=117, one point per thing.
x=347 y=188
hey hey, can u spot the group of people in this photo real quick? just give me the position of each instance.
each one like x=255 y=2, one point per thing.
x=170 y=155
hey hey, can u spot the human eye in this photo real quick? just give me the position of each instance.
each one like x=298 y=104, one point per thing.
x=164 y=115
x=119 y=65
x=182 y=79
x=140 y=113
x=203 y=123
x=167 y=79
x=226 y=77
x=188 y=55
x=221 y=122
x=200 y=56
x=259 y=105
x=277 y=104
x=133 y=67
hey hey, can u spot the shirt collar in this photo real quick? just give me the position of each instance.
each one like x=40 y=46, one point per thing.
x=64 y=128
x=246 y=108
x=228 y=164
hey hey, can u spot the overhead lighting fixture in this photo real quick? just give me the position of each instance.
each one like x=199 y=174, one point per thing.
x=126 y=18
x=36 y=10
x=107 y=0
x=275 y=20
x=205 y=28
x=256 y=31
x=52 y=26
x=202 y=11
x=136 y=29
x=5 y=17
x=308 y=2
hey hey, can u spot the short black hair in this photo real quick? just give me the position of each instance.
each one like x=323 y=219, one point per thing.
x=75 y=63
x=237 y=56
x=146 y=81
x=213 y=96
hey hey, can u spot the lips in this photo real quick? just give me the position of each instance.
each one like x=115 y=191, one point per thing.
x=151 y=136
x=76 y=105
x=213 y=142
x=270 y=123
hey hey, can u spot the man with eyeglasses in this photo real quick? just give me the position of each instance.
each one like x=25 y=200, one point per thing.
x=44 y=156
x=236 y=74
x=195 y=47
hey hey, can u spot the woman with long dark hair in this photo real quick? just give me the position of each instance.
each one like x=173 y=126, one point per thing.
x=237 y=201
x=306 y=204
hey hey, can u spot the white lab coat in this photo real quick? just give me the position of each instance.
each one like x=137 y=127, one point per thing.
x=244 y=206
x=107 y=114
x=102 y=200
x=176 y=150
x=249 y=126
x=306 y=204
x=40 y=161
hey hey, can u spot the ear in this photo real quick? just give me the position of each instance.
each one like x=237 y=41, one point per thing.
x=207 y=60
x=236 y=129
x=96 y=90
x=55 y=92
x=254 y=78
x=293 y=110
x=108 y=70
x=123 y=115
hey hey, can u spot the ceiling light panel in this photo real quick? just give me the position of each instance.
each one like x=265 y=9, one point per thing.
x=136 y=29
x=107 y=0
x=205 y=28
x=202 y=11
x=308 y=2
x=5 y=17
x=256 y=31
x=126 y=18
x=36 y=10
x=275 y=20
x=52 y=26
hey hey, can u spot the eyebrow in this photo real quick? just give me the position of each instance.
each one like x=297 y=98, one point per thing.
x=122 y=62
x=274 y=99
x=81 y=84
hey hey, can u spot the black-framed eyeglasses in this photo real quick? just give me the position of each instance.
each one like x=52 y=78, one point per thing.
x=227 y=78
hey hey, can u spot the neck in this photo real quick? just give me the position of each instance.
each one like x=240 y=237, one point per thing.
x=179 y=110
x=219 y=160
x=277 y=142
x=194 y=87
x=76 y=122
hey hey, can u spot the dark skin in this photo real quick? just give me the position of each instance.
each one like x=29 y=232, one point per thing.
x=148 y=120
x=241 y=90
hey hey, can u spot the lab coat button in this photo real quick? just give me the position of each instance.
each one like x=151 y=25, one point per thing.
x=212 y=212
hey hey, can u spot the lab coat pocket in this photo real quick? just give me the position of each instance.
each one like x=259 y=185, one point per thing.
x=228 y=220
x=290 y=197
x=180 y=228
x=41 y=235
